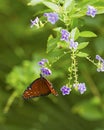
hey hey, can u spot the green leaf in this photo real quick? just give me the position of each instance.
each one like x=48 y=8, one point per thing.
x=52 y=43
x=58 y=29
x=79 y=14
x=75 y=33
x=82 y=54
x=82 y=45
x=56 y=54
x=87 y=34
x=68 y=4
x=100 y=10
x=35 y=2
x=62 y=44
x=51 y=5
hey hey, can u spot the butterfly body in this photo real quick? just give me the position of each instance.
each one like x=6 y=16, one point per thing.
x=39 y=87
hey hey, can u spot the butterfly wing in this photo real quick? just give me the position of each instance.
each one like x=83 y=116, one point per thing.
x=39 y=87
x=53 y=91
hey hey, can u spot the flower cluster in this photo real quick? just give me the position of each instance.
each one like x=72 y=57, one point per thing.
x=91 y=11
x=65 y=35
x=100 y=65
x=44 y=70
x=80 y=87
x=53 y=17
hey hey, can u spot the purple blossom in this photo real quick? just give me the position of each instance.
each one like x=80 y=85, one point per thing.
x=45 y=71
x=99 y=58
x=42 y=62
x=65 y=35
x=81 y=87
x=100 y=65
x=51 y=17
x=65 y=90
x=91 y=11
x=73 y=45
x=34 y=22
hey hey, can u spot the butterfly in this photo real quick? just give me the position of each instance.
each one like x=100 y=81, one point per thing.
x=39 y=87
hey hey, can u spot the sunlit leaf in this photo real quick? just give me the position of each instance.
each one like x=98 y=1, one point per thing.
x=79 y=14
x=75 y=33
x=62 y=44
x=87 y=34
x=100 y=10
x=68 y=4
x=82 y=45
x=52 y=43
x=51 y=5
x=57 y=29
x=82 y=54
x=35 y=2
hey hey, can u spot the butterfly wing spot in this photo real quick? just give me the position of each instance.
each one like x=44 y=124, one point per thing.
x=26 y=92
x=29 y=88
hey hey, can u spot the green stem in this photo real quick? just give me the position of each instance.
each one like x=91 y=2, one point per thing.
x=92 y=61
x=70 y=76
x=10 y=101
x=75 y=68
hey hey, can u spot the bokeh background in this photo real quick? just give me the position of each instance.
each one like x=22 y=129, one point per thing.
x=20 y=49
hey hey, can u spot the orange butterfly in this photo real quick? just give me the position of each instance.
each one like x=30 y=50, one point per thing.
x=39 y=87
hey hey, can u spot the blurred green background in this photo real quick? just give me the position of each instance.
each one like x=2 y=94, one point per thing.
x=20 y=50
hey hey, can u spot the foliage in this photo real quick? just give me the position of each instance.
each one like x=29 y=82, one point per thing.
x=66 y=35
x=26 y=48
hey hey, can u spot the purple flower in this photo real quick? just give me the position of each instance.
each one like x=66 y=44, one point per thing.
x=81 y=87
x=42 y=62
x=65 y=90
x=34 y=22
x=100 y=65
x=99 y=58
x=91 y=11
x=73 y=45
x=51 y=17
x=45 y=71
x=65 y=35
